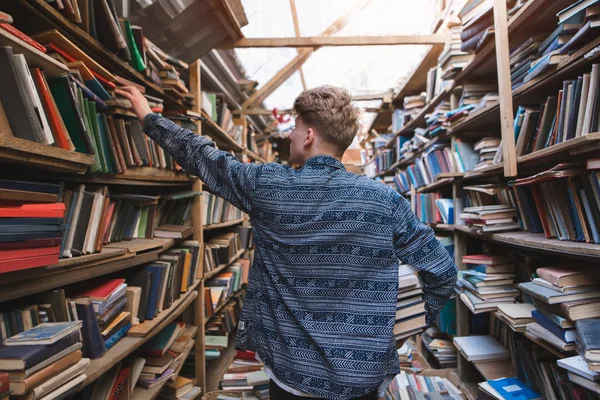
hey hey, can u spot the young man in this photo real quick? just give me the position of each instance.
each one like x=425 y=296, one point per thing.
x=321 y=301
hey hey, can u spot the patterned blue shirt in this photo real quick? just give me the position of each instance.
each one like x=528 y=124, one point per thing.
x=321 y=301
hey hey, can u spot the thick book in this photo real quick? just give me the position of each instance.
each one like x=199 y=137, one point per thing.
x=25 y=357
x=588 y=337
x=578 y=365
x=564 y=277
x=44 y=334
x=142 y=279
x=566 y=335
x=550 y=296
x=17 y=101
x=480 y=348
x=155 y=292
x=59 y=380
x=93 y=343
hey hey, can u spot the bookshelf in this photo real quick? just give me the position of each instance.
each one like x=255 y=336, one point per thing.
x=43 y=162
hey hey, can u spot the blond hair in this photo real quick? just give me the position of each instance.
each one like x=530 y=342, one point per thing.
x=329 y=110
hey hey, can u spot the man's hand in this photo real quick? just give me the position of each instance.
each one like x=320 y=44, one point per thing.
x=139 y=104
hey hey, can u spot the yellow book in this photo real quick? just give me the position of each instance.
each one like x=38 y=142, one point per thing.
x=186 y=272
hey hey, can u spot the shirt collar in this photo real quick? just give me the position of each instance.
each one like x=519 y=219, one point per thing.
x=323 y=160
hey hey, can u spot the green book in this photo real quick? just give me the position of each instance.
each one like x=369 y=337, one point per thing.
x=111 y=160
x=212 y=97
x=136 y=61
x=96 y=166
x=93 y=121
x=182 y=195
x=143 y=223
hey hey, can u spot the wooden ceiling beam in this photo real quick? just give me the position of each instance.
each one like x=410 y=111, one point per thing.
x=303 y=55
x=297 y=30
x=264 y=111
x=321 y=41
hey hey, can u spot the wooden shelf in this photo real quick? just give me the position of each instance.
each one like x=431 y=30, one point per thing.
x=129 y=344
x=144 y=329
x=537 y=242
x=52 y=17
x=490 y=170
x=223 y=266
x=435 y=185
x=36 y=155
x=222 y=306
x=224 y=224
x=442 y=227
x=554 y=154
x=33 y=56
x=217 y=368
x=255 y=157
x=113 y=257
x=218 y=135
x=138 y=176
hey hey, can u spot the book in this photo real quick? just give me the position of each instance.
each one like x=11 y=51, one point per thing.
x=564 y=277
x=588 y=339
x=44 y=334
x=60 y=379
x=29 y=358
x=480 y=348
x=180 y=387
x=578 y=365
x=512 y=388
x=550 y=296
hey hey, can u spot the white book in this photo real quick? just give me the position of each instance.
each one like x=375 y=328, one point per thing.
x=21 y=65
x=585 y=87
x=589 y=107
x=579 y=366
x=65 y=388
x=581 y=381
x=92 y=231
x=480 y=348
x=60 y=379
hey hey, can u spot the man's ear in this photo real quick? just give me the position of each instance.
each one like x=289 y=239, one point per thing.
x=309 y=137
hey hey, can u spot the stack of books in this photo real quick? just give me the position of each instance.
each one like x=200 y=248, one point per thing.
x=414 y=104
x=442 y=349
x=410 y=307
x=516 y=316
x=507 y=388
x=224 y=285
x=487 y=149
x=489 y=208
x=561 y=295
x=436 y=121
x=580 y=373
x=34 y=236
x=477 y=25
x=181 y=389
x=246 y=375
x=221 y=250
x=523 y=57
x=476 y=93
x=453 y=59
x=575 y=217
x=45 y=361
x=456 y=116
x=216 y=210
x=588 y=343
x=487 y=283
x=408 y=385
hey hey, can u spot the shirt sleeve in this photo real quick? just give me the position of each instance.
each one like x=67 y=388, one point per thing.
x=220 y=171
x=415 y=244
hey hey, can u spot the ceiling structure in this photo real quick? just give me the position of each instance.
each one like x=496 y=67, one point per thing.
x=363 y=70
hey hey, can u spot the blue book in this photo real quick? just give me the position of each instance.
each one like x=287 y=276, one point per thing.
x=30 y=186
x=46 y=333
x=30 y=221
x=574 y=216
x=118 y=335
x=513 y=389
x=566 y=335
x=24 y=357
x=30 y=228
x=155 y=288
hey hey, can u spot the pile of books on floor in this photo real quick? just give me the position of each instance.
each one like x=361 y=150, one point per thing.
x=453 y=59
x=561 y=295
x=221 y=250
x=45 y=361
x=410 y=307
x=405 y=354
x=543 y=206
x=487 y=283
x=34 y=238
x=408 y=385
x=442 y=349
x=216 y=210
x=507 y=388
x=487 y=149
x=246 y=374
x=489 y=208
x=477 y=25
x=517 y=316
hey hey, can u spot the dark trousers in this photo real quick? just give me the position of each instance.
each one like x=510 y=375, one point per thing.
x=277 y=393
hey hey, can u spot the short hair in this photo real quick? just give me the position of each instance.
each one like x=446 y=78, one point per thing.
x=329 y=110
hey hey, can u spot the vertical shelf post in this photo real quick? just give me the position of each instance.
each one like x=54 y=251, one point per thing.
x=505 y=87
x=199 y=317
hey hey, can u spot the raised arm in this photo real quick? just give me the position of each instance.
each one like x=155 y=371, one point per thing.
x=220 y=171
x=415 y=244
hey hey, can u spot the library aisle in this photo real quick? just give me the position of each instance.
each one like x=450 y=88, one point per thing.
x=126 y=274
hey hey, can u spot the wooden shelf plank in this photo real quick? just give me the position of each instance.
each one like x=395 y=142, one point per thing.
x=220 y=137
x=224 y=224
x=255 y=157
x=490 y=170
x=37 y=155
x=435 y=185
x=144 y=329
x=217 y=368
x=581 y=144
x=129 y=344
x=537 y=242
x=223 y=266
x=137 y=246
x=442 y=227
x=33 y=56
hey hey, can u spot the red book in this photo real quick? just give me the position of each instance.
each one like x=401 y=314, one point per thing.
x=8 y=255
x=20 y=35
x=53 y=210
x=103 y=292
x=54 y=118
x=484 y=259
x=246 y=355
x=27 y=263
x=30 y=244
